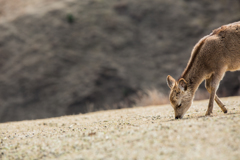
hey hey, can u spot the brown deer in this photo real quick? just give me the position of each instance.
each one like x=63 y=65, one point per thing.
x=211 y=57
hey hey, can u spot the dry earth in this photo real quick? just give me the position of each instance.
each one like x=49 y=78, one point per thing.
x=136 y=133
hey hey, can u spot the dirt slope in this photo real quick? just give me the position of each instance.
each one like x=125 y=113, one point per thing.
x=137 y=133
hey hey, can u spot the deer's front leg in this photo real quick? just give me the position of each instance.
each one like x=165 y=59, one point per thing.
x=212 y=86
x=220 y=104
x=210 y=104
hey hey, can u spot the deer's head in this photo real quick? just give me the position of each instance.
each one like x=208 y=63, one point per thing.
x=180 y=96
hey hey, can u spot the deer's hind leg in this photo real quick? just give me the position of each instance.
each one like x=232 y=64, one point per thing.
x=220 y=104
x=211 y=85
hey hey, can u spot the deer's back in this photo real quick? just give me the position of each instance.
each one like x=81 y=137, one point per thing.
x=222 y=48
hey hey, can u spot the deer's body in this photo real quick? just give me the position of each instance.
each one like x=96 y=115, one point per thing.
x=211 y=57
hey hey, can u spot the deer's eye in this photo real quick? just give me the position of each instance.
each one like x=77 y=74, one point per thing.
x=179 y=105
x=177 y=93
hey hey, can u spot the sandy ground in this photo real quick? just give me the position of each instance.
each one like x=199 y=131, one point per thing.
x=136 y=133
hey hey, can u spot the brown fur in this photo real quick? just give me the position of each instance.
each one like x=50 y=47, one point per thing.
x=218 y=30
x=193 y=56
x=211 y=57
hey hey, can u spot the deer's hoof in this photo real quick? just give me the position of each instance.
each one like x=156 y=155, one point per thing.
x=208 y=113
x=224 y=109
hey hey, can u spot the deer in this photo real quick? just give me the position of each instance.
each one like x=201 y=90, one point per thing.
x=210 y=58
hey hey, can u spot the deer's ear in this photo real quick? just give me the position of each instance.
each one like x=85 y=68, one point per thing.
x=170 y=81
x=182 y=83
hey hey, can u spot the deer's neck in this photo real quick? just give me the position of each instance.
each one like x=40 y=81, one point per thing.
x=194 y=72
x=194 y=77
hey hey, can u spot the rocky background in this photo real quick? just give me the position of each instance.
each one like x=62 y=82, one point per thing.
x=71 y=56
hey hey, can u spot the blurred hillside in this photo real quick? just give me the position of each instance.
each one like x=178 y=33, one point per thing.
x=69 y=57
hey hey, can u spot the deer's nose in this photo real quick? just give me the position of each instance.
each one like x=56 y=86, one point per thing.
x=177 y=117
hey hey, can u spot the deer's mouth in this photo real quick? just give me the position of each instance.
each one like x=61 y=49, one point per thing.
x=178 y=117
